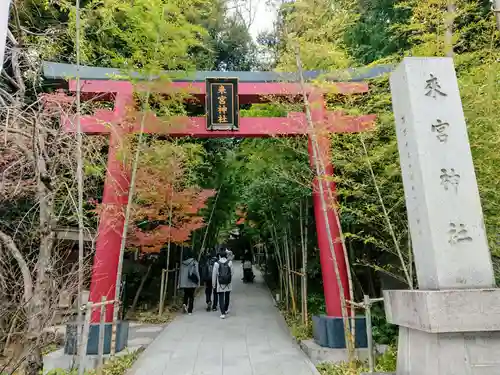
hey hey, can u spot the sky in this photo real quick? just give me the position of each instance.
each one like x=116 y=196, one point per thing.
x=264 y=18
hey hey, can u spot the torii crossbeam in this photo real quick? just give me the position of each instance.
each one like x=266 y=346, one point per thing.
x=252 y=89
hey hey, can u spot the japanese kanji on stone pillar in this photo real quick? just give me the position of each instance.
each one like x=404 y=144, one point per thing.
x=451 y=325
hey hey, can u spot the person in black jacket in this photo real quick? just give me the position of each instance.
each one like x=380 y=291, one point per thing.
x=210 y=290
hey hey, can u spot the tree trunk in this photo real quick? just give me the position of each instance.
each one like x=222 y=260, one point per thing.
x=139 y=290
x=39 y=308
x=448 y=36
x=497 y=13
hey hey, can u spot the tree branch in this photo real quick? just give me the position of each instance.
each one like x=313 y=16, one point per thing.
x=25 y=271
x=15 y=131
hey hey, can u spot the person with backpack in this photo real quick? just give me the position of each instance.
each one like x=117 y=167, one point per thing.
x=229 y=255
x=209 y=286
x=222 y=277
x=248 y=275
x=189 y=280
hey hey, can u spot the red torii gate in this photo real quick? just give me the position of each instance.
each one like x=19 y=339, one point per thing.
x=117 y=182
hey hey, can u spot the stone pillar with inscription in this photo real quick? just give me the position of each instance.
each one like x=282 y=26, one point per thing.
x=451 y=324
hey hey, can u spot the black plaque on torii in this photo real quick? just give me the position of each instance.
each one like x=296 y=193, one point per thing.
x=222 y=104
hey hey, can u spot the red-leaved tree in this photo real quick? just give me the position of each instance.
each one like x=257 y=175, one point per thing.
x=166 y=198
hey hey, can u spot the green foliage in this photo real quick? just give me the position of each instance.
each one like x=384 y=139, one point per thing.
x=383 y=332
x=152 y=317
x=132 y=35
x=417 y=26
x=474 y=26
x=321 y=46
x=115 y=366
x=384 y=363
x=120 y=365
x=264 y=110
x=362 y=218
x=234 y=46
x=387 y=361
x=479 y=87
x=298 y=330
x=49 y=349
x=316 y=301
x=372 y=37
x=179 y=34
x=366 y=228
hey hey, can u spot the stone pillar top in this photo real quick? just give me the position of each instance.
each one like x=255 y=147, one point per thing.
x=442 y=197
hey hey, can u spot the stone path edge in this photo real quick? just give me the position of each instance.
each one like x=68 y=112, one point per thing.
x=132 y=370
x=284 y=325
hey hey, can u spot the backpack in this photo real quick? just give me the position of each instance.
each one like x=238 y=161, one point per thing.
x=208 y=269
x=224 y=276
x=192 y=276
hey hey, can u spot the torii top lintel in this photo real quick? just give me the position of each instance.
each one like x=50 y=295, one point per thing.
x=253 y=88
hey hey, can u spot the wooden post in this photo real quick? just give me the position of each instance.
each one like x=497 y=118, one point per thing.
x=368 y=318
x=165 y=295
x=162 y=287
x=176 y=281
x=102 y=328
x=84 y=339
x=114 y=327
x=180 y=262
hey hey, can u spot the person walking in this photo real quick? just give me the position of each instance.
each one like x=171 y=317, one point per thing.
x=189 y=280
x=210 y=289
x=248 y=275
x=247 y=256
x=222 y=277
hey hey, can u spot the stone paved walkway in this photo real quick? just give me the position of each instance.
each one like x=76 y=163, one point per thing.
x=253 y=340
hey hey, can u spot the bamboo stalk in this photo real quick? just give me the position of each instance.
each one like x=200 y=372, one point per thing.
x=208 y=224
x=138 y=292
x=100 y=349
x=84 y=340
x=289 y=274
x=285 y=277
x=293 y=266
x=410 y=256
x=164 y=292
x=303 y=276
x=368 y=318
x=386 y=216
x=278 y=256
x=128 y=210
x=304 y=262
x=294 y=272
